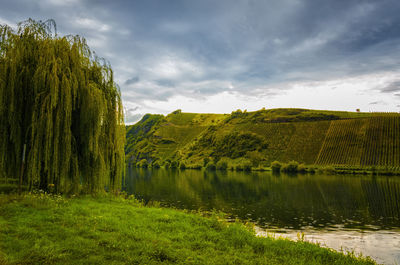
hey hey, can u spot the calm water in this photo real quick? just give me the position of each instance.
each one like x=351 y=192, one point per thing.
x=360 y=213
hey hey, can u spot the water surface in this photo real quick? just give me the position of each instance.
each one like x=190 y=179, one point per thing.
x=360 y=213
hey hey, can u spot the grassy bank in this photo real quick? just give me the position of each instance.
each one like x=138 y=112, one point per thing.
x=43 y=229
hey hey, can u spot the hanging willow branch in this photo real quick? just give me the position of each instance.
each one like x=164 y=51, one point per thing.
x=62 y=103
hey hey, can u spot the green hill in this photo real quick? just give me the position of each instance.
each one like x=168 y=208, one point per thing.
x=311 y=137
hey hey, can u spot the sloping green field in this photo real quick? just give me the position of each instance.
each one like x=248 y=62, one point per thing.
x=311 y=137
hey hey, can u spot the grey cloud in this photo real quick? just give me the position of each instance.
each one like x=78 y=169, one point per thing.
x=132 y=80
x=134 y=109
x=378 y=103
x=165 y=82
x=143 y=93
x=196 y=49
x=392 y=87
x=208 y=90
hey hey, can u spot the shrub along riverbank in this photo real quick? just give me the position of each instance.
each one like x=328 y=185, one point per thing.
x=47 y=229
x=291 y=167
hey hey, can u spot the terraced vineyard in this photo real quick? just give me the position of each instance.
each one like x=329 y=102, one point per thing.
x=343 y=143
x=373 y=141
x=382 y=143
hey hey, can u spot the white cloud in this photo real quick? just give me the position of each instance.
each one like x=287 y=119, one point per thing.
x=62 y=2
x=4 y=21
x=91 y=24
x=173 y=67
x=97 y=43
x=339 y=94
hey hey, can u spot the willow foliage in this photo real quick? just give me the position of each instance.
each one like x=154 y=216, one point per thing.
x=60 y=100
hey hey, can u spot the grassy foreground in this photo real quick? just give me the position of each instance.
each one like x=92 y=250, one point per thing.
x=43 y=229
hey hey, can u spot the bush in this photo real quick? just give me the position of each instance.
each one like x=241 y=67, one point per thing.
x=178 y=111
x=247 y=166
x=329 y=170
x=237 y=144
x=276 y=166
x=290 y=167
x=210 y=166
x=239 y=167
x=302 y=168
x=311 y=170
x=174 y=164
x=155 y=164
x=195 y=166
x=182 y=165
x=222 y=165
x=143 y=163
x=167 y=164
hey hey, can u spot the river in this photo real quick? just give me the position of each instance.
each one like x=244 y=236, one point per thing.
x=343 y=212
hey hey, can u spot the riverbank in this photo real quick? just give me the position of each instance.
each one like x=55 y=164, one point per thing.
x=43 y=229
x=292 y=167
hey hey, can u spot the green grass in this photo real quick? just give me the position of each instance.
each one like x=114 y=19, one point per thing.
x=201 y=119
x=43 y=229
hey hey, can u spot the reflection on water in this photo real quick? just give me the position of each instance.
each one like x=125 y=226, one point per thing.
x=381 y=245
x=344 y=210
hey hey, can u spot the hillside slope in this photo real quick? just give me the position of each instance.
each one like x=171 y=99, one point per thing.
x=260 y=137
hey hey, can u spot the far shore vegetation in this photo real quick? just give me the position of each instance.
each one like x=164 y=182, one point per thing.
x=292 y=167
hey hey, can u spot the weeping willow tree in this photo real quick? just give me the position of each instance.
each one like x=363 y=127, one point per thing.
x=61 y=115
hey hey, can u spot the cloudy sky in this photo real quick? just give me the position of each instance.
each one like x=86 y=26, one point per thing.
x=219 y=56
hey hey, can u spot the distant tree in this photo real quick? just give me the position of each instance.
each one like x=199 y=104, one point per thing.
x=143 y=163
x=167 y=164
x=247 y=166
x=291 y=167
x=182 y=165
x=61 y=113
x=239 y=167
x=222 y=165
x=155 y=164
x=210 y=166
x=276 y=166
x=174 y=164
